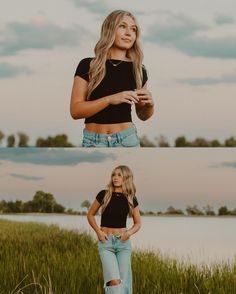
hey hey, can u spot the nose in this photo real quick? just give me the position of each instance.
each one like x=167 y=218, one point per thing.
x=127 y=31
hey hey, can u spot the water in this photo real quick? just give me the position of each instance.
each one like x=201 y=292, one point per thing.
x=199 y=240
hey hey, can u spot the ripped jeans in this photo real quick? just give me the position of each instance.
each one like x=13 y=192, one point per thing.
x=115 y=256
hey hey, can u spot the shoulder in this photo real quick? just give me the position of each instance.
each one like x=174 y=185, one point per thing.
x=82 y=69
x=135 y=201
x=85 y=62
x=100 y=196
x=145 y=75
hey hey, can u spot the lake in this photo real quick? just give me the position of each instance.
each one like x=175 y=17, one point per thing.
x=199 y=240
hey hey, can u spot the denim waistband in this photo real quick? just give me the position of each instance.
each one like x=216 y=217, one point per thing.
x=117 y=135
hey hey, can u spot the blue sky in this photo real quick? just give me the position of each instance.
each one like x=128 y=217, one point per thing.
x=189 y=50
x=163 y=177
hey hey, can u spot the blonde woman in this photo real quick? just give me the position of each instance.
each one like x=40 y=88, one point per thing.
x=114 y=245
x=106 y=86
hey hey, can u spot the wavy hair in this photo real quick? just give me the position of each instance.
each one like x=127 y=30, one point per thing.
x=97 y=69
x=128 y=188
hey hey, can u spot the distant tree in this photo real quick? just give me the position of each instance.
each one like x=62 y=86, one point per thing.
x=86 y=203
x=3 y=206
x=215 y=143
x=145 y=142
x=1 y=137
x=23 y=139
x=43 y=202
x=231 y=142
x=200 y=142
x=223 y=210
x=57 y=141
x=58 y=208
x=162 y=141
x=11 y=141
x=208 y=210
x=172 y=210
x=233 y=212
x=193 y=210
x=181 y=142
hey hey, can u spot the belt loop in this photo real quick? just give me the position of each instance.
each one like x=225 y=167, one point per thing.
x=97 y=138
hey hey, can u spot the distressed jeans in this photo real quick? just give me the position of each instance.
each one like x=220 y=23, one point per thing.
x=125 y=138
x=115 y=256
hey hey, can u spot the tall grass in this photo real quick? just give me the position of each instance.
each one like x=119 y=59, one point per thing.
x=41 y=259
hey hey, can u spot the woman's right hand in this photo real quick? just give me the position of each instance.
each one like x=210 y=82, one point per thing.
x=102 y=236
x=129 y=97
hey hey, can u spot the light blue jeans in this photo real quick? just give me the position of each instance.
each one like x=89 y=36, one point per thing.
x=125 y=138
x=115 y=256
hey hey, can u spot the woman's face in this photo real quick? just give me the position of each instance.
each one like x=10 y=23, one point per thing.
x=117 y=178
x=125 y=35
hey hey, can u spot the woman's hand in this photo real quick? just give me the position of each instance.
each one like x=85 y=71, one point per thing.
x=129 y=97
x=125 y=236
x=145 y=97
x=102 y=236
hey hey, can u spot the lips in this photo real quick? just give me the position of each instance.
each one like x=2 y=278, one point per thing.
x=126 y=40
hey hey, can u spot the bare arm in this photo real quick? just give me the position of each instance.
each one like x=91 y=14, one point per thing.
x=81 y=108
x=91 y=219
x=145 y=107
x=136 y=226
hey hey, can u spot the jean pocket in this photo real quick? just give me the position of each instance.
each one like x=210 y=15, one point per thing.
x=131 y=140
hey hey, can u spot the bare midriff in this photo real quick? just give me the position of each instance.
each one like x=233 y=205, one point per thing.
x=108 y=128
x=113 y=231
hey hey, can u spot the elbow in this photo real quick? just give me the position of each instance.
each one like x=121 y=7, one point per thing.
x=75 y=115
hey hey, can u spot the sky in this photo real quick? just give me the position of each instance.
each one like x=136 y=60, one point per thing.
x=163 y=176
x=189 y=53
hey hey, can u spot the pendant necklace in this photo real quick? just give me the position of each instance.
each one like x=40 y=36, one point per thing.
x=115 y=64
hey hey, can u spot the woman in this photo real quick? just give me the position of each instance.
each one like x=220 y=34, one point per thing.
x=106 y=86
x=114 y=238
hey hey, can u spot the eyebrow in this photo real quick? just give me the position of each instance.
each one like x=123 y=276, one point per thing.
x=127 y=24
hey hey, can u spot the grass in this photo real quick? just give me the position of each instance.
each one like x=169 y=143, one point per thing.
x=41 y=259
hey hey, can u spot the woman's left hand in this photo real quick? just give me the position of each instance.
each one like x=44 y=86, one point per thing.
x=125 y=236
x=145 y=97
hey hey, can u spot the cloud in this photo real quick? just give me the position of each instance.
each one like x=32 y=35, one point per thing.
x=224 y=79
x=222 y=19
x=182 y=33
x=227 y=164
x=95 y=6
x=36 y=35
x=53 y=157
x=25 y=177
x=8 y=70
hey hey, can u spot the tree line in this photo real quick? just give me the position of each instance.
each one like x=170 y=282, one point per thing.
x=43 y=202
x=61 y=140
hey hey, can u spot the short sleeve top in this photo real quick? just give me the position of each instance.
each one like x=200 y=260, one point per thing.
x=116 y=212
x=117 y=79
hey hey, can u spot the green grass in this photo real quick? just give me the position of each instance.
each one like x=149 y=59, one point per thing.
x=36 y=259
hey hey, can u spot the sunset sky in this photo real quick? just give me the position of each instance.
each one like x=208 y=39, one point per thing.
x=163 y=177
x=189 y=52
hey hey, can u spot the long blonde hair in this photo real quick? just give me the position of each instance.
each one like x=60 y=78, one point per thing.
x=128 y=188
x=97 y=69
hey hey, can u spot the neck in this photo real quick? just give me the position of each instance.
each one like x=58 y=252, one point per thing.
x=116 y=53
x=118 y=189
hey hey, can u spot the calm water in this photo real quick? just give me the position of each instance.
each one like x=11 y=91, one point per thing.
x=193 y=239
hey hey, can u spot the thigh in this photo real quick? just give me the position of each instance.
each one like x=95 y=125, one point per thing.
x=109 y=261
x=124 y=257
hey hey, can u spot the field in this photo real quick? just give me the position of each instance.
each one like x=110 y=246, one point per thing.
x=36 y=258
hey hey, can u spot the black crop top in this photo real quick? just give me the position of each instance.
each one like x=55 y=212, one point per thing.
x=117 y=79
x=116 y=212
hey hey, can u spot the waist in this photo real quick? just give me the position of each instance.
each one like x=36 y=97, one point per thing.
x=113 y=231
x=107 y=128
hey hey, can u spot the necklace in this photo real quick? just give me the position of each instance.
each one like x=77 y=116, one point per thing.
x=115 y=64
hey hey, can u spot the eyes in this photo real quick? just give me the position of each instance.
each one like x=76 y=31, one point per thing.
x=123 y=26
